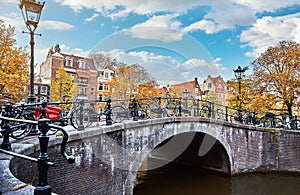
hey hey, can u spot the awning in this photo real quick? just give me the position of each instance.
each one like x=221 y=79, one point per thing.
x=83 y=75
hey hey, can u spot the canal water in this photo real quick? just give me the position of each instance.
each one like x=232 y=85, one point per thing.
x=176 y=179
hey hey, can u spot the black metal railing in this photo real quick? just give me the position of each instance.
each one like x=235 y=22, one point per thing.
x=82 y=113
x=9 y=124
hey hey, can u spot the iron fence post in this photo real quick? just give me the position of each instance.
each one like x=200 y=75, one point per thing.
x=80 y=125
x=108 y=113
x=296 y=121
x=226 y=113
x=159 y=115
x=134 y=109
x=197 y=108
x=5 y=128
x=179 y=109
x=43 y=188
x=43 y=110
x=212 y=108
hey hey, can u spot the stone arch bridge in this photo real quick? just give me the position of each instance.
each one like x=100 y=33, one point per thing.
x=227 y=147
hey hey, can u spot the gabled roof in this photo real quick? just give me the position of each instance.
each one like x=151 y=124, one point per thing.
x=56 y=54
x=89 y=62
x=187 y=85
x=214 y=80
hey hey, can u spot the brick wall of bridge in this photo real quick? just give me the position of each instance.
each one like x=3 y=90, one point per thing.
x=247 y=148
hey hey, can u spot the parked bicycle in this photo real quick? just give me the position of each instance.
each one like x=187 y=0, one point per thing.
x=17 y=111
x=163 y=107
x=211 y=110
x=270 y=120
x=291 y=122
x=133 y=109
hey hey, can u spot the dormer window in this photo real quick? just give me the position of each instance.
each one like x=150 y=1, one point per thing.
x=82 y=64
x=69 y=62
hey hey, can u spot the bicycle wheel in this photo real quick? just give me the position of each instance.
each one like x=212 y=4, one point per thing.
x=170 y=110
x=119 y=114
x=23 y=131
x=219 y=114
x=205 y=112
x=233 y=117
x=277 y=123
x=153 y=111
x=80 y=118
x=295 y=124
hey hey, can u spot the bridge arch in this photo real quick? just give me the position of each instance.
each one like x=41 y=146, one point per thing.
x=168 y=135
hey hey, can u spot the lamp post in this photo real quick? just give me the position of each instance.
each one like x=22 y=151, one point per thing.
x=31 y=11
x=239 y=74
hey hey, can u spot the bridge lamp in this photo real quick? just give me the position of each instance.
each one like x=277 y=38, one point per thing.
x=239 y=73
x=31 y=11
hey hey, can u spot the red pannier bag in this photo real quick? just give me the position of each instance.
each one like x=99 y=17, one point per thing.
x=52 y=113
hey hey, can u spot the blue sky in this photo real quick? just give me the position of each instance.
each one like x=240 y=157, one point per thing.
x=174 y=40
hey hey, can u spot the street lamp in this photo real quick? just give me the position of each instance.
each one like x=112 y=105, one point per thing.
x=31 y=11
x=239 y=74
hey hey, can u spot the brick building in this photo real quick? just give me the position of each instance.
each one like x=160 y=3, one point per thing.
x=82 y=70
x=218 y=86
x=190 y=88
x=104 y=76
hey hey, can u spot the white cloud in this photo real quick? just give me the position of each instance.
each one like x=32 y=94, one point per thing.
x=164 y=28
x=123 y=7
x=223 y=15
x=167 y=70
x=13 y=19
x=15 y=2
x=92 y=17
x=263 y=5
x=194 y=67
x=16 y=20
x=269 y=31
x=55 y=25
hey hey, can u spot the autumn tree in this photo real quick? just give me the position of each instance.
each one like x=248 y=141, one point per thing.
x=14 y=72
x=127 y=79
x=62 y=88
x=102 y=61
x=276 y=74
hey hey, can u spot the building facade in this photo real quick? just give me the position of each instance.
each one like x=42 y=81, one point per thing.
x=82 y=70
x=189 y=89
x=217 y=86
x=104 y=76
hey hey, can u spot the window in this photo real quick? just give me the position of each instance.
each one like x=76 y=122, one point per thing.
x=82 y=64
x=101 y=74
x=209 y=85
x=93 y=79
x=101 y=87
x=92 y=91
x=100 y=97
x=106 y=87
x=82 y=81
x=106 y=75
x=69 y=62
x=82 y=91
x=43 y=90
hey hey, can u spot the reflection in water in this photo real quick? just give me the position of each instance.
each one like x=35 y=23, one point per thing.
x=174 y=179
